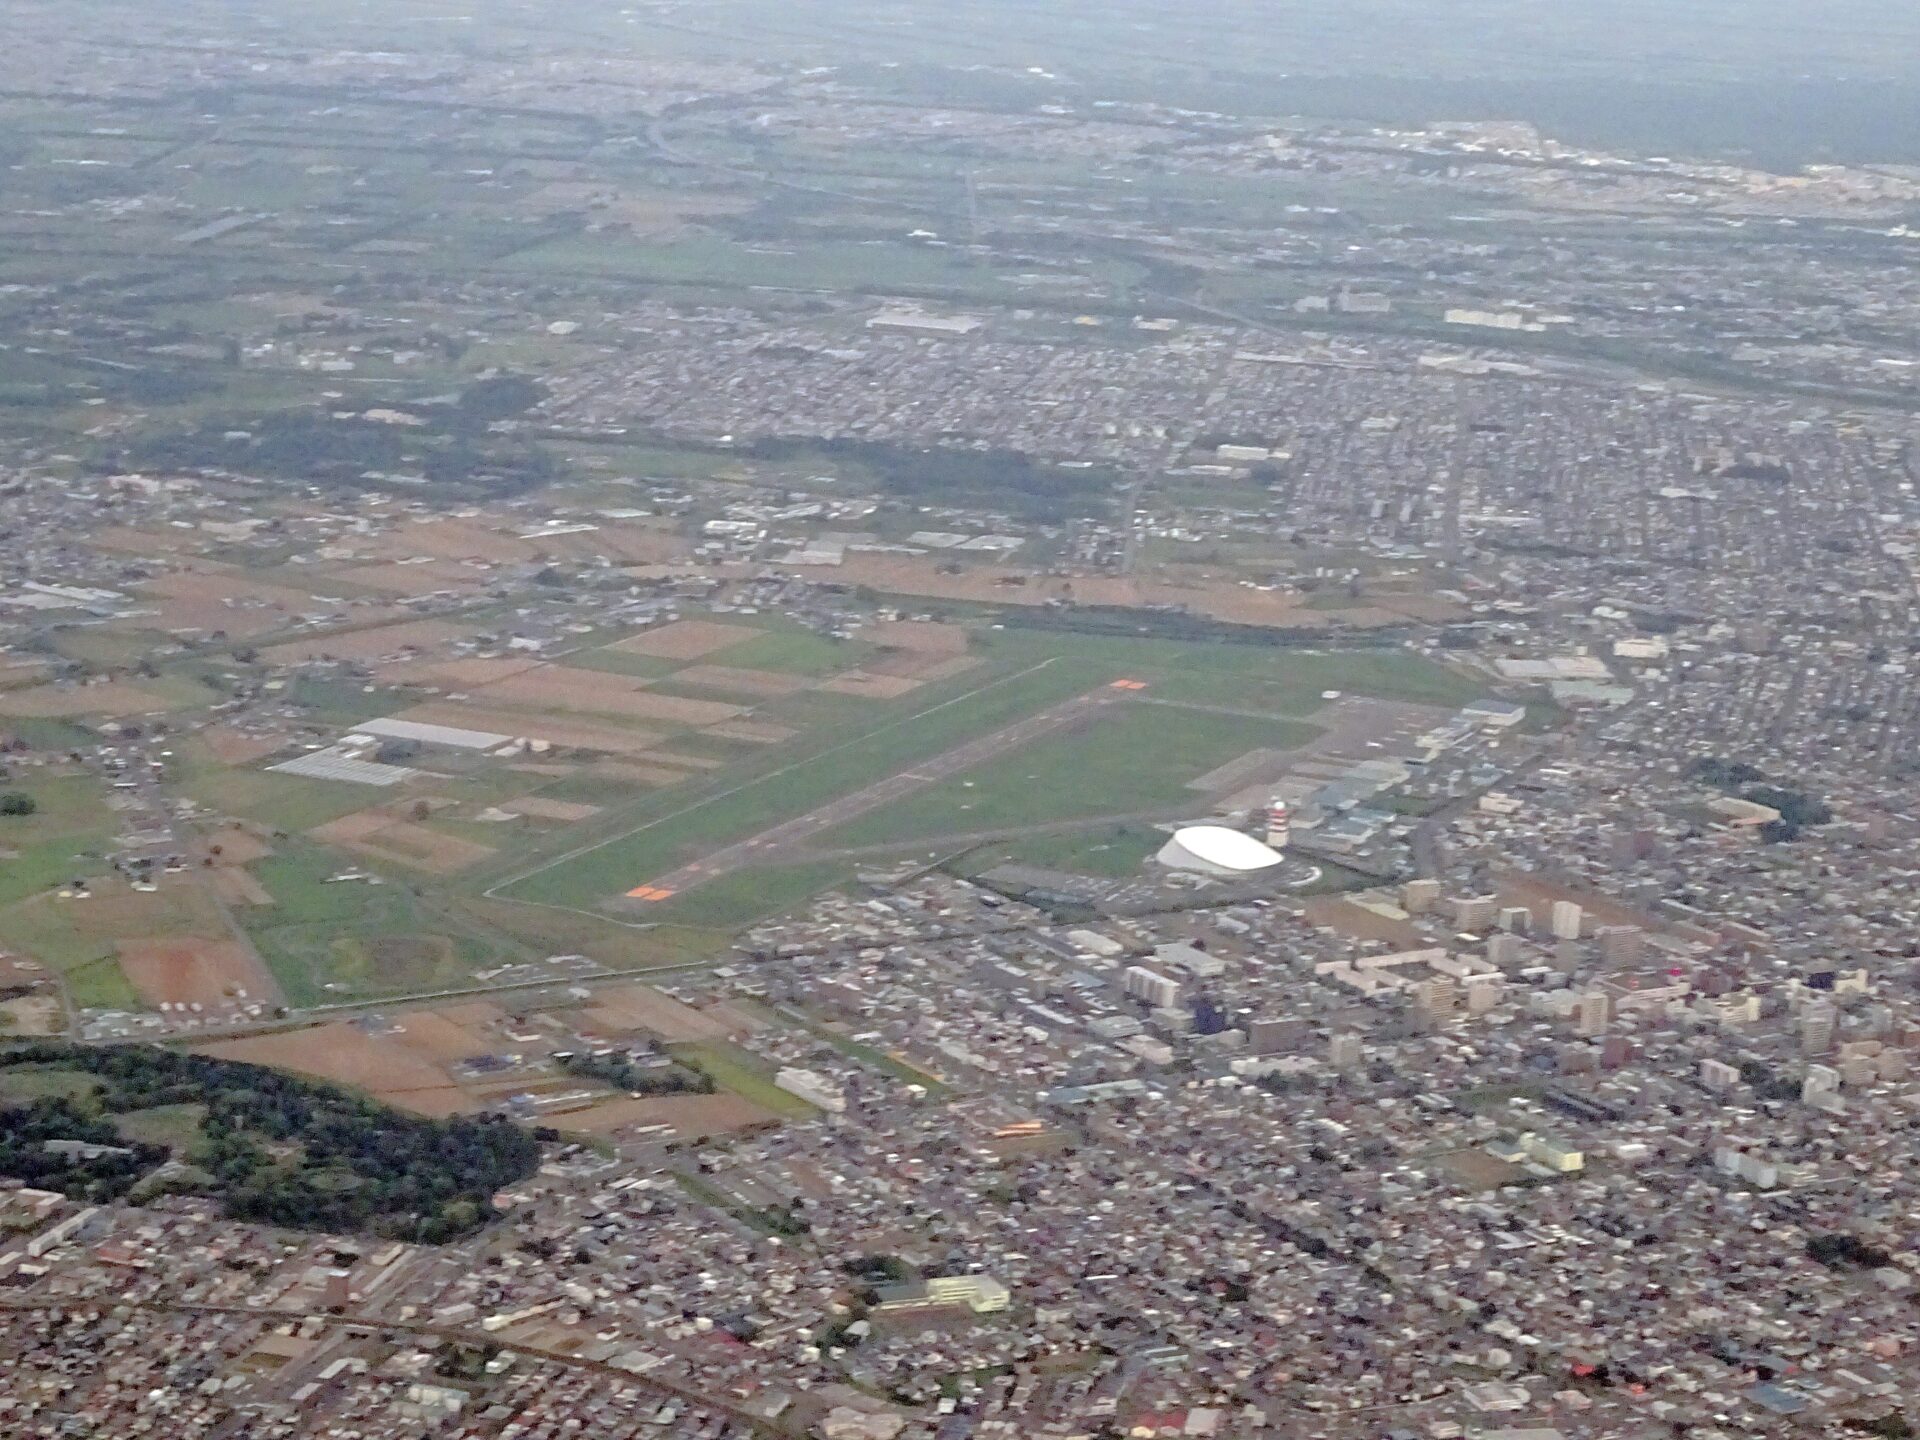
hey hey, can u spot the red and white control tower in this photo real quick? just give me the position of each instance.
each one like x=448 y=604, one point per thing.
x=1279 y=825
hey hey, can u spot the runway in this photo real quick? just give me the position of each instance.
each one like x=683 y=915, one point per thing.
x=770 y=844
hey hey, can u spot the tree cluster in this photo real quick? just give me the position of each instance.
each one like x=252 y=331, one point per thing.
x=622 y=1072
x=973 y=479
x=26 y=1129
x=1846 y=1252
x=1798 y=810
x=287 y=1151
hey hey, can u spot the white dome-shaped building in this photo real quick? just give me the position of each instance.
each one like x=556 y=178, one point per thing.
x=1216 y=850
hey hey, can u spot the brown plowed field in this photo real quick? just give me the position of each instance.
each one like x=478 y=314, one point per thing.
x=371 y=644
x=191 y=971
x=760 y=684
x=685 y=639
x=592 y=692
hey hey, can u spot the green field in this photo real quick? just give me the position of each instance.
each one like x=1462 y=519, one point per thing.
x=286 y=802
x=733 y=902
x=344 y=702
x=880 y=267
x=347 y=939
x=49 y=734
x=42 y=1084
x=102 y=985
x=104 y=649
x=1114 y=852
x=795 y=652
x=175 y=1126
x=1135 y=758
x=621 y=662
x=64 y=838
x=742 y=1073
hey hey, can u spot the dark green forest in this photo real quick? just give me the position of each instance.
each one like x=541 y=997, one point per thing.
x=272 y=1148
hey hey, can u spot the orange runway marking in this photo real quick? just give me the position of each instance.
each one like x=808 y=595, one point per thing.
x=649 y=892
x=1128 y=685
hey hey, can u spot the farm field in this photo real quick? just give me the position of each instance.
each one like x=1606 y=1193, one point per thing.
x=284 y=802
x=85 y=941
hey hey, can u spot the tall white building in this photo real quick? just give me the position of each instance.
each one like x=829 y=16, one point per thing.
x=1593 y=1012
x=1567 y=918
x=1151 y=986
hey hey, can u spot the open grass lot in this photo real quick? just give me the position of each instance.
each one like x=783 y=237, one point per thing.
x=104 y=649
x=285 y=802
x=1131 y=759
x=102 y=985
x=175 y=1126
x=62 y=839
x=745 y=897
x=734 y=1069
x=48 y=733
x=36 y=1083
x=328 y=940
x=1107 y=851
x=793 y=652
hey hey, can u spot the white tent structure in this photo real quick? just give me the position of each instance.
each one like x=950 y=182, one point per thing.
x=1216 y=850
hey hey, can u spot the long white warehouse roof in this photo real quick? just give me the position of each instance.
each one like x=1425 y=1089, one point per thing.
x=332 y=765
x=447 y=735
